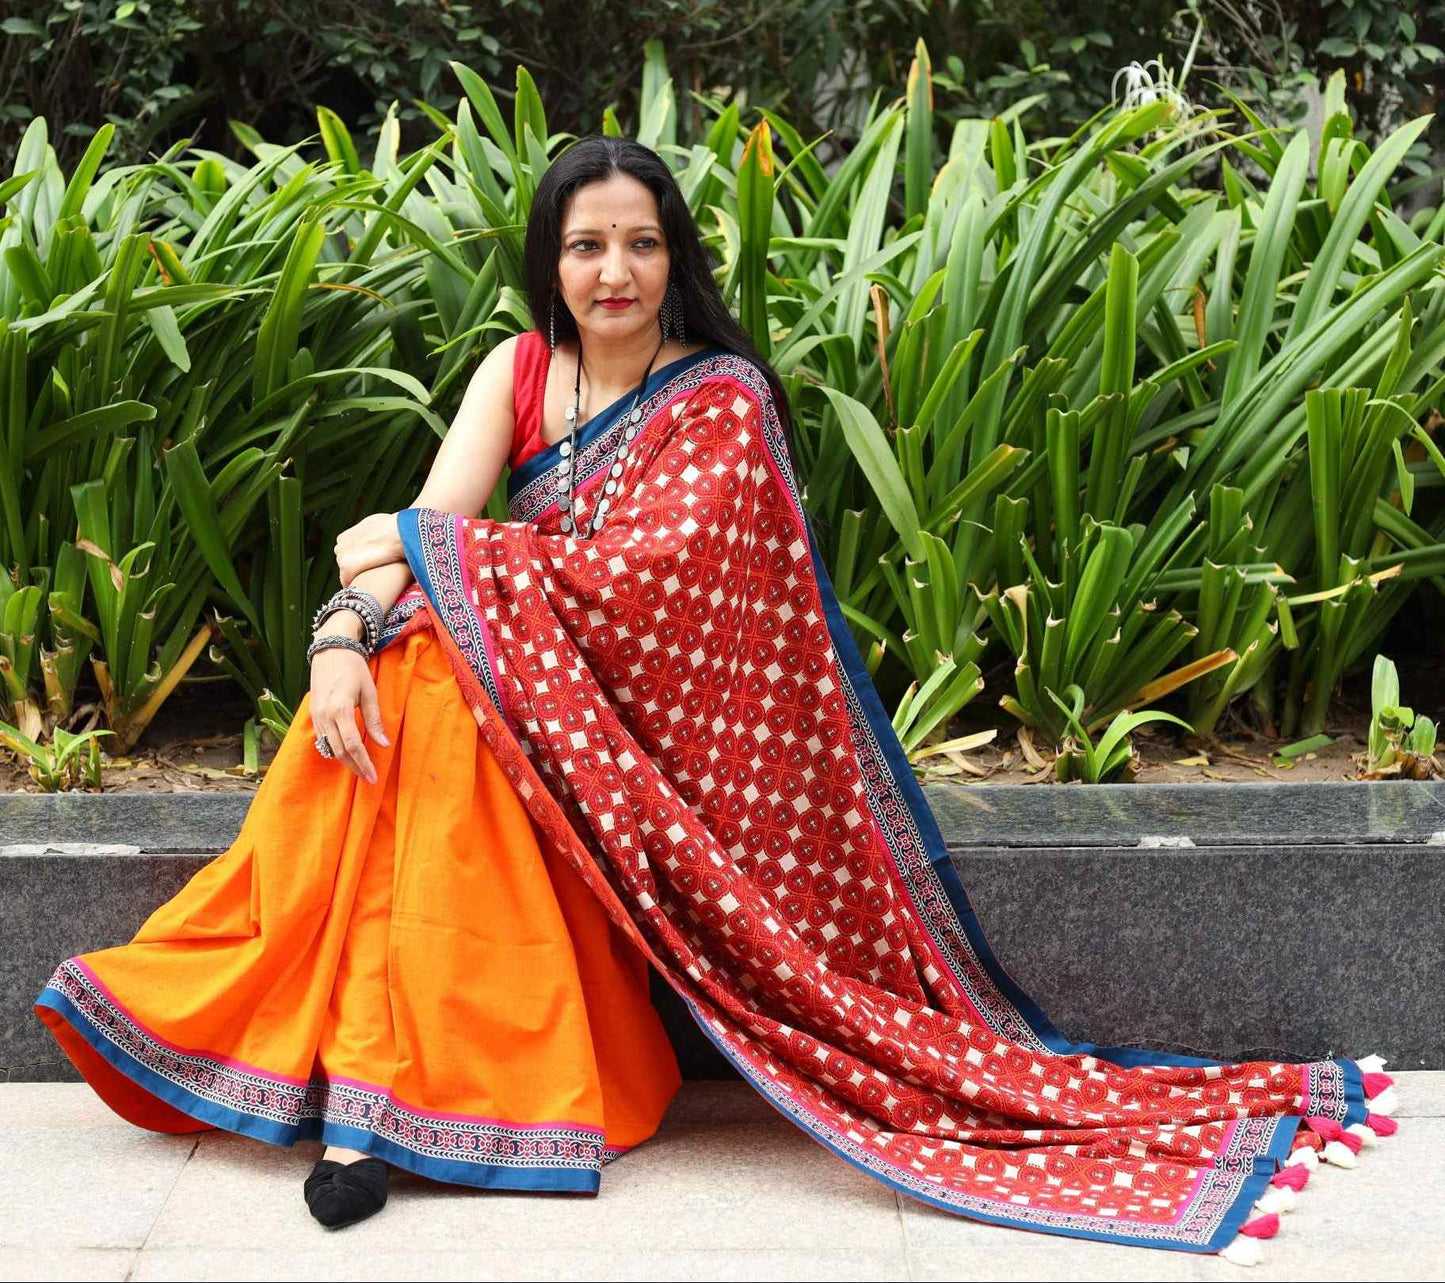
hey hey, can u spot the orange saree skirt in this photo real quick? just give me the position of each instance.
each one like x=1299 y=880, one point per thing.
x=405 y=968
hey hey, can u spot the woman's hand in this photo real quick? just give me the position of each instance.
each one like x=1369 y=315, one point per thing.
x=340 y=681
x=372 y=541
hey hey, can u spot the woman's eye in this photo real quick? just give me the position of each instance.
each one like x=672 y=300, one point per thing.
x=646 y=240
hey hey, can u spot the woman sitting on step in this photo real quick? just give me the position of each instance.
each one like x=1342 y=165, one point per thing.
x=629 y=728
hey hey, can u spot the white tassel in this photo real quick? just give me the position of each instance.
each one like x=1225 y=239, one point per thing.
x=1340 y=1154
x=1372 y=1064
x=1278 y=1198
x=1304 y=1154
x=1244 y=1251
x=1367 y=1137
x=1386 y=1103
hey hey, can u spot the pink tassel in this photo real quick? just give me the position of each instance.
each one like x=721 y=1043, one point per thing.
x=1352 y=1143
x=1381 y=1125
x=1296 y=1176
x=1376 y=1083
x=1328 y=1128
x=1262 y=1226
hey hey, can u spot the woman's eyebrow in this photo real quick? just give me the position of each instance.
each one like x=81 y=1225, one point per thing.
x=594 y=231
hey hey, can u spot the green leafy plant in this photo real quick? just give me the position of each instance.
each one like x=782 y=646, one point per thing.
x=274 y=716
x=1114 y=759
x=68 y=762
x=1402 y=742
x=179 y=468
x=1155 y=438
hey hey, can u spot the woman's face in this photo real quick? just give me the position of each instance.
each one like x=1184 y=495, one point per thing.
x=613 y=248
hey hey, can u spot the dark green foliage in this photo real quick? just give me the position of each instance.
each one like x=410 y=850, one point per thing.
x=162 y=70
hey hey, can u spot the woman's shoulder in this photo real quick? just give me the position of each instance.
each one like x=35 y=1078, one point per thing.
x=525 y=343
x=515 y=345
x=521 y=358
x=502 y=384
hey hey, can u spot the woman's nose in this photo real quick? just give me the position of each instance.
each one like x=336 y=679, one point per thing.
x=614 y=267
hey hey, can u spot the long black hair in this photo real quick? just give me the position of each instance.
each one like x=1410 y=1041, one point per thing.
x=706 y=318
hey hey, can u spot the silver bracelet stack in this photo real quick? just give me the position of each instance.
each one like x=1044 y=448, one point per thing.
x=364 y=606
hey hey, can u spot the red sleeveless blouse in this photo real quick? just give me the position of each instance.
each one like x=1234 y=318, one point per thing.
x=529 y=384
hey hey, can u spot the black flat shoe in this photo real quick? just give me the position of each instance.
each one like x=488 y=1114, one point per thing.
x=343 y=1193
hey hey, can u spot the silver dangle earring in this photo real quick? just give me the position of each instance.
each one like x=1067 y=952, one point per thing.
x=552 y=322
x=672 y=313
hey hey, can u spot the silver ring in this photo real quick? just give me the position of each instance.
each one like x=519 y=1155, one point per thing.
x=323 y=746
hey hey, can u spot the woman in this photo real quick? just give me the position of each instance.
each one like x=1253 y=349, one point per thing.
x=681 y=764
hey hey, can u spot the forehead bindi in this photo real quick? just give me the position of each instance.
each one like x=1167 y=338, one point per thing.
x=623 y=207
x=590 y=230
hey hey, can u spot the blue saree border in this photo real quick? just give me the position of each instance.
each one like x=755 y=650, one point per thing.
x=408 y=525
x=283 y=1135
x=1263 y=1164
x=460 y=617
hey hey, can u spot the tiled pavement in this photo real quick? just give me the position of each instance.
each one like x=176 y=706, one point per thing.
x=728 y=1189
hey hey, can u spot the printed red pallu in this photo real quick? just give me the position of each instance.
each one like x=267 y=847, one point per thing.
x=681 y=709
x=679 y=702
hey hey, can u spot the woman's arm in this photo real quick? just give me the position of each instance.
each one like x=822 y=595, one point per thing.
x=468 y=463
x=472 y=454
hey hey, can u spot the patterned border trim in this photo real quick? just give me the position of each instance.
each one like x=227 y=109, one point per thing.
x=399 y=616
x=291 y=1104
x=1325 y=1093
x=441 y=557
x=1216 y=1194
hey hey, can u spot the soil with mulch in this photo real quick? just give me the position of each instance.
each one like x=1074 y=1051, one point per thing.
x=194 y=743
x=1238 y=752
